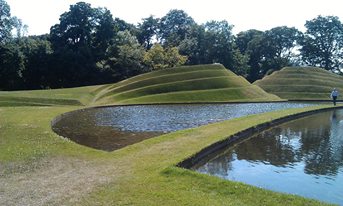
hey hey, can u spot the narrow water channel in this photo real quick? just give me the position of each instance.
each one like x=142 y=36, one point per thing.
x=303 y=157
x=112 y=128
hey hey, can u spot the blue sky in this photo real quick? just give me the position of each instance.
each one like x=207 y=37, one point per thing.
x=40 y=15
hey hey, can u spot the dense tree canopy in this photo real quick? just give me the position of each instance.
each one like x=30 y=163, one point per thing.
x=322 y=45
x=90 y=46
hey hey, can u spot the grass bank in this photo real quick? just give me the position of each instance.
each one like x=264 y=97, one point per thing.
x=301 y=83
x=201 y=83
x=40 y=168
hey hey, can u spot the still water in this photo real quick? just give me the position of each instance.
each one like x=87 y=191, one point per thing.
x=303 y=157
x=111 y=128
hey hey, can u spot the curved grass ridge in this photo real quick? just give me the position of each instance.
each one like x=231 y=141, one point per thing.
x=301 y=83
x=202 y=83
x=69 y=96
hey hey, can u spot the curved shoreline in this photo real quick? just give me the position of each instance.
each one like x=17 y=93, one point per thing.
x=244 y=134
x=115 y=138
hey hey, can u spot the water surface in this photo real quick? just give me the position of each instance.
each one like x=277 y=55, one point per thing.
x=112 y=128
x=303 y=157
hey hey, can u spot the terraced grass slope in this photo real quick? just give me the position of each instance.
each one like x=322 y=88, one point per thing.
x=301 y=83
x=202 y=83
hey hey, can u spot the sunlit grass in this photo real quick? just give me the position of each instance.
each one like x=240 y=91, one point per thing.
x=203 y=83
x=301 y=83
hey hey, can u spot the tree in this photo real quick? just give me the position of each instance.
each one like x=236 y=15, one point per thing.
x=218 y=43
x=6 y=21
x=268 y=51
x=75 y=28
x=250 y=44
x=104 y=32
x=174 y=27
x=279 y=45
x=322 y=45
x=282 y=41
x=240 y=63
x=158 y=58
x=147 y=31
x=11 y=66
x=79 y=41
x=124 y=57
x=37 y=53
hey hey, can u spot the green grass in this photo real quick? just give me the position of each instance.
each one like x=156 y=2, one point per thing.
x=203 y=83
x=70 y=96
x=140 y=174
x=245 y=94
x=296 y=83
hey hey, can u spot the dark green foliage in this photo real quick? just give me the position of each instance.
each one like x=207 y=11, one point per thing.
x=80 y=40
x=12 y=65
x=268 y=51
x=174 y=27
x=89 y=46
x=147 y=31
x=37 y=52
x=322 y=45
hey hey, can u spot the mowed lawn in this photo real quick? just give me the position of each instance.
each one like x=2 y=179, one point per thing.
x=187 y=84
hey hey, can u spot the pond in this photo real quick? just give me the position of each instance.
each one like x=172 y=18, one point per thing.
x=111 y=128
x=303 y=157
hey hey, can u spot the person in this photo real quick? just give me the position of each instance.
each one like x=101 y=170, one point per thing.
x=334 y=95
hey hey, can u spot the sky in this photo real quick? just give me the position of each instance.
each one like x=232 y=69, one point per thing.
x=40 y=15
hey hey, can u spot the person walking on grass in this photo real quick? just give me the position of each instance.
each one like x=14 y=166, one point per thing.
x=334 y=95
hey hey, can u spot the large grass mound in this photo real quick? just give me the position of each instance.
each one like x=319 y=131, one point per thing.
x=301 y=83
x=202 y=83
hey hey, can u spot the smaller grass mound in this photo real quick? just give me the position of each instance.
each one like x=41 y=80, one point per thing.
x=301 y=83
x=187 y=84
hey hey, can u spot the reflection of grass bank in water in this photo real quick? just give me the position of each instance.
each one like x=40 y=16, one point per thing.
x=38 y=167
x=301 y=83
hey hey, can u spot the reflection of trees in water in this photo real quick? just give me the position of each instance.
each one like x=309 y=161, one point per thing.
x=220 y=167
x=318 y=145
x=277 y=151
x=316 y=140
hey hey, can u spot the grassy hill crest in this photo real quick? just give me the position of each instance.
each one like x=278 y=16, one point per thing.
x=186 y=84
x=301 y=83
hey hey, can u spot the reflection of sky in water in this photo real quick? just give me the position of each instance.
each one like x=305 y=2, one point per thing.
x=303 y=157
x=166 y=118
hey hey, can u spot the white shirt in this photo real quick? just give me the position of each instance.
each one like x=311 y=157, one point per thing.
x=334 y=93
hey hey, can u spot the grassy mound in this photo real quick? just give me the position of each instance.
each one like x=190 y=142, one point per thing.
x=202 y=83
x=306 y=83
x=187 y=84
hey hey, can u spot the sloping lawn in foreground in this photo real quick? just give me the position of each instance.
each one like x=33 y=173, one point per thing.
x=38 y=167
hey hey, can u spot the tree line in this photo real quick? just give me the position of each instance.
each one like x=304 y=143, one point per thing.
x=90 y=46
